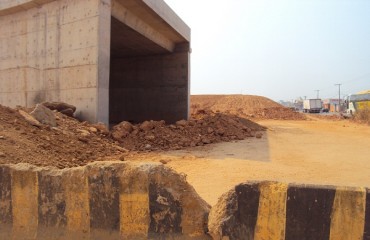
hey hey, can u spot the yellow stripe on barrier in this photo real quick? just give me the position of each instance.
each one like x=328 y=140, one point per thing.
x=134 y=205
x=25 y=204
x=348 y=214
x=77 y=204
x=271 y=212
x=134 y=210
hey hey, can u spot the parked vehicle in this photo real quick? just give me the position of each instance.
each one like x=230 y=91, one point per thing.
x=325 y=110
x=358 y=101
x=312 y=105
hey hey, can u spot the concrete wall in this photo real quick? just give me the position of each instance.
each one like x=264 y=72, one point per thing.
x=110 y=200
x=271 y=210
x=150 y=88
x=58 y=51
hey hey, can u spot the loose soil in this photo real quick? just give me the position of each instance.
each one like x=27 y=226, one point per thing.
x=310 y=152
x=246 y=106
x=72 y=143
x=203 y=128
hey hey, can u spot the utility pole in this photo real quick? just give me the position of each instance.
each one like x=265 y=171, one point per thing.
x=317 y=93
x=339 y=95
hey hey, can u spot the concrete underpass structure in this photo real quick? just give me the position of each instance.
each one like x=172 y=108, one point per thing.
x=113 y=59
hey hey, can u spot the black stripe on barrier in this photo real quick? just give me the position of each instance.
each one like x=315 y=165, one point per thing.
x=165 y=212
x=367 y=216
x=308 y=213
x=104 y=200
x=244 y=222
x=6 y=217
x=52 y=206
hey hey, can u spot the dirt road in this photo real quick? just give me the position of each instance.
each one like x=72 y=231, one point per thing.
x=316 y=151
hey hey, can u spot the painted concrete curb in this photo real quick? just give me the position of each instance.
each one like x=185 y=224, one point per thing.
x=103 y=200
x=272 y=210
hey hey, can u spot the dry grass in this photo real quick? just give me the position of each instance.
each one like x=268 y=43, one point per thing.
x=362 y=116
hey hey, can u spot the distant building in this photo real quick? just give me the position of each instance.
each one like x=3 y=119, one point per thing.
x=332 y=104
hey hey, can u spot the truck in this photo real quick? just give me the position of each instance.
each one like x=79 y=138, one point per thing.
x=358 y=101
x=312 y=105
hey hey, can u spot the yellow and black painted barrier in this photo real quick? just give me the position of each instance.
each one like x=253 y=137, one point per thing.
x=272 y=210
x=107 y=200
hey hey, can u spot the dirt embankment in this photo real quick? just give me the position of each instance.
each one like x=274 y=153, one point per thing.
x=71 y=143
x=249 y=106
x=67 y=142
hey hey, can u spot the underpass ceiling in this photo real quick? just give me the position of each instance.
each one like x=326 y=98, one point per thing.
x=126 y=42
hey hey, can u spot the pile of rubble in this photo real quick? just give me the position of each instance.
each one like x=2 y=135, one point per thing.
x=204 y=127
x=47 y=136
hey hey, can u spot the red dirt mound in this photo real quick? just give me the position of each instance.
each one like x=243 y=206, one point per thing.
x=244 y=106
x=205 y=127
x=71 y=143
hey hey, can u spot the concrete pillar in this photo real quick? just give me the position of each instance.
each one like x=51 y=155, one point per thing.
x=57 y=51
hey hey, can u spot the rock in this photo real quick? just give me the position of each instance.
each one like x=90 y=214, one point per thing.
x=121 y=149
x=126 y=126
x=210 y=130
x=101 y=127
x=83 y=132
x=123 y=129
x=220 y=131
x=2 y=137
x=148 y=146
x=146 y=126
x=258 y=135
x=239 y=137
x=206 y=140
x=29 y=118
x=2 y=154
x=182 y=123
x=150 y=137
x=117 y=135
x=92 y=129
x=122 y=158
x=44 y=115
x=164 y=161
x=135 y=132
x=69 y=112
x=59 y=106
x=83 y=139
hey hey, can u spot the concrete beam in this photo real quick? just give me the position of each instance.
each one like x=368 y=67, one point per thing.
x=170 y=17
x=11 y=6
x=125 y=16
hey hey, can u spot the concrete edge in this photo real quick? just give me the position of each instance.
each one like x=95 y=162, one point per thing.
x=164 y=11
x=11 y=9
x=274 y=210
x=102 y=200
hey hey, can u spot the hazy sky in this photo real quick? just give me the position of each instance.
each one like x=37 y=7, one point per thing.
x=276 y=48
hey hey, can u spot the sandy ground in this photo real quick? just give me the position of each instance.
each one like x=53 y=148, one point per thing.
x=322 y=152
